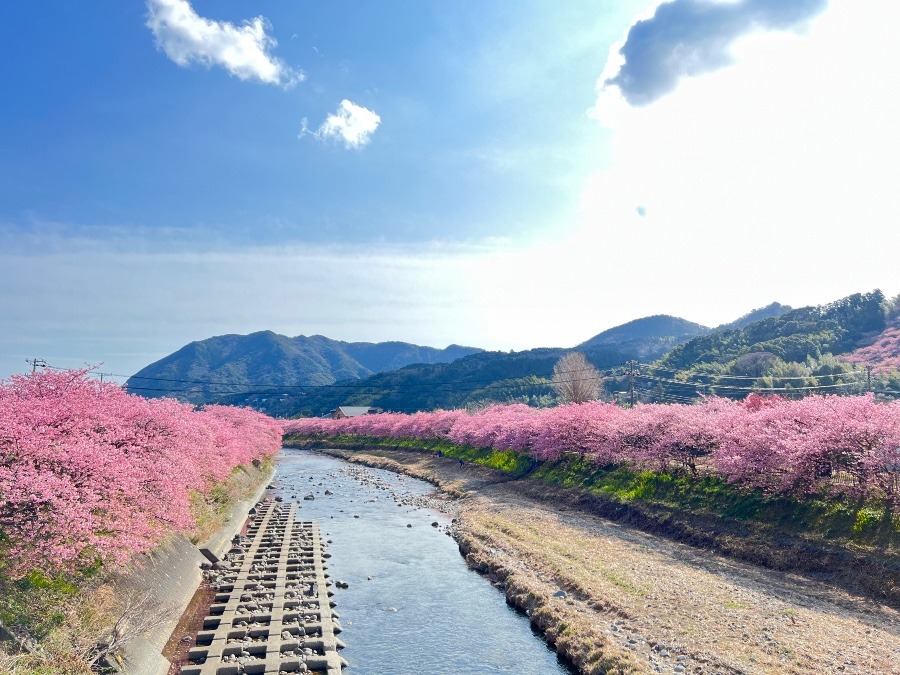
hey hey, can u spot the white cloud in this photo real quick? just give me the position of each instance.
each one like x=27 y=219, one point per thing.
x=773 y=179
x=353 y=124
x=244 y=51
x=686 y=38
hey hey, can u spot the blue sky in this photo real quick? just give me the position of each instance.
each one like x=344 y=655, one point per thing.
x=505 y=175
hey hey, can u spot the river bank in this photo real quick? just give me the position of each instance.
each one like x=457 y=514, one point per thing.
x=133 y=611
x=614 y=599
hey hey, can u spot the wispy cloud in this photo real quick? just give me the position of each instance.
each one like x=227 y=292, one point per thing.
x=352 y=124
x=684 y=38
x=244 y=51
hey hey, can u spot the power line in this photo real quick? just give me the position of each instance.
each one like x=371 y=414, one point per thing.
x=272 y=389
x=647 y=366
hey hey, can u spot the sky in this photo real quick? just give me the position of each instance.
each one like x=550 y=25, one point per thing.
x=498 y=174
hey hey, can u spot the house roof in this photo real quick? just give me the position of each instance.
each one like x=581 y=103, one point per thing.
x=355 y=410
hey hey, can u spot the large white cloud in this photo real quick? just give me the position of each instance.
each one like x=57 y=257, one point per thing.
x=244 y=51
x=352 y=124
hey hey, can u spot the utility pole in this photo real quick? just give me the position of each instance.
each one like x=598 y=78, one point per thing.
x=869 y=378
x=35 y=363
x=631 y=365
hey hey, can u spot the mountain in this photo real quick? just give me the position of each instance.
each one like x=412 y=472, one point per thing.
x=769 y=311
x=794 y=336
x=773 y=347
x=207 y=370
x=648 y=338
x=474 y=380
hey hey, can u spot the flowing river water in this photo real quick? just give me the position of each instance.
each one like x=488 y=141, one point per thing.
x=411 y=605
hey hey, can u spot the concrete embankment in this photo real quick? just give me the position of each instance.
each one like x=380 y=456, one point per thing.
x=165 y=580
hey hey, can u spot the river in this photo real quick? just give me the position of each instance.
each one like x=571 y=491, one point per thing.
x=412 y=605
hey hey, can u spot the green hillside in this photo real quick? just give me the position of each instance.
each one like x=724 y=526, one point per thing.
x=658 y=358
x=834 y=328
x=208 y=370
x=793 y=354
x=648 y=338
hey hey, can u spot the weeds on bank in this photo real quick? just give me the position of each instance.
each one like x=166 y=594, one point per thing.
x=210 y=510
x=869 y=525
x=66 y=625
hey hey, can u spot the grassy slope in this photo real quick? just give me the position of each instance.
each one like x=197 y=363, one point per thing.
x=63 y=617
x=823 y=534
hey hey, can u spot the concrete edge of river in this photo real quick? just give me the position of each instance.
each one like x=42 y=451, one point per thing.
x=168 y=578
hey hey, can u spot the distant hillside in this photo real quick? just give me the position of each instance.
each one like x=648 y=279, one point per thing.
x=882 y=355
x=648 y=338
x=480 y=379
x=835 y=328
x=205 y=371
x=774 y=310
x=773 y=348
x=477 y=379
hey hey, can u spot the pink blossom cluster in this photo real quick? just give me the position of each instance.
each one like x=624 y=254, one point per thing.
x=883 y=354
x=88 y=471
x=788 y=447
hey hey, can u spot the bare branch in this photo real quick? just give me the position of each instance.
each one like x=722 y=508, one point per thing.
x=575 y=380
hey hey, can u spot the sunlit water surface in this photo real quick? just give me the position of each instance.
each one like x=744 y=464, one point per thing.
x=412 y=605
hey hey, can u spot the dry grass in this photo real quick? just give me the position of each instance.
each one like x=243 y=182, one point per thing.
x=69 y=648
x=94 y=610
x=636 y=601
x=211 y=511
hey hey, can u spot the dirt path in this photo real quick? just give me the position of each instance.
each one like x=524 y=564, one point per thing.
x=618 y=600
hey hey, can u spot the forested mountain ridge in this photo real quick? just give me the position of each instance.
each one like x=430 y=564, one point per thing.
x=206 y=370
x=483 y=378
x=647 y=338
x=790 y=351
x=477 y=379
x=835 y=328
x=774 y=309
x=808 y=350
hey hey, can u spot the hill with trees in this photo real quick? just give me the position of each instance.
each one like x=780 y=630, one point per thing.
x=774 y=349
x=794 y=353
x=773 y=310
x=208 y=370
x=478 y=379
x=648 y=338
x=835 y=328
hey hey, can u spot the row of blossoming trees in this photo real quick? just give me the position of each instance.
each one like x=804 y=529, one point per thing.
x=89 y=472
x=789 y=447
